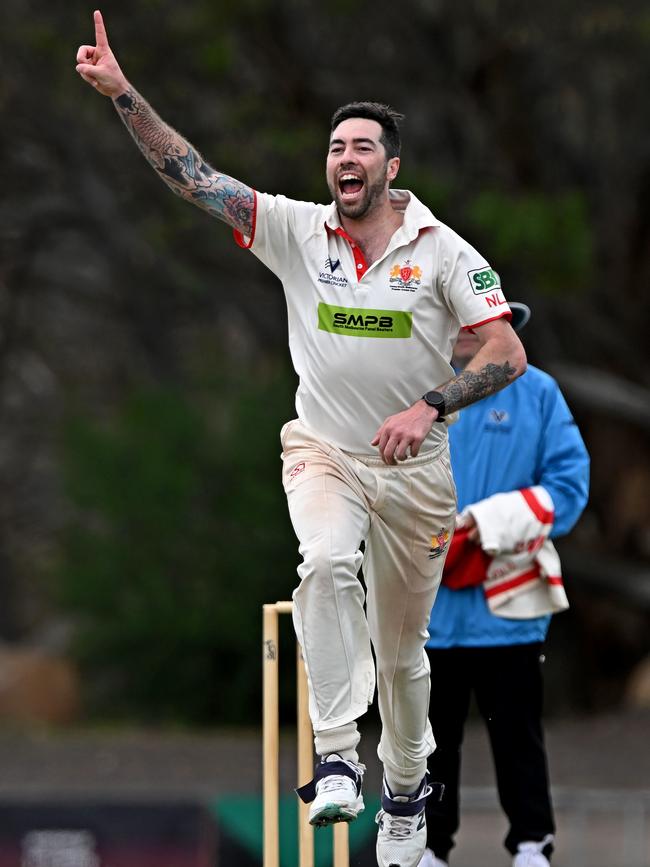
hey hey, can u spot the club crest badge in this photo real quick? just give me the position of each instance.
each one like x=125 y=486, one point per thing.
x=405 y=277
x=439 y=543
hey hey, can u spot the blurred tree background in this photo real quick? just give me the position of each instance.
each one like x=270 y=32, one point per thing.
x=144 y=374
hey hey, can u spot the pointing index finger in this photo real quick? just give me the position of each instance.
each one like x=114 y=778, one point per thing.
x=100 y=31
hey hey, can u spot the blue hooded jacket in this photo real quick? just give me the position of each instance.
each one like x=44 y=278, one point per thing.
x=522 y=436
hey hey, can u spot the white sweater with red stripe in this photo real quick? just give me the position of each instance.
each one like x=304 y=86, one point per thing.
x=524 y=578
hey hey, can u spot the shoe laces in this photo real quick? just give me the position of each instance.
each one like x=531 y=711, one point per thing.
x=334 y=781
x=397 y=827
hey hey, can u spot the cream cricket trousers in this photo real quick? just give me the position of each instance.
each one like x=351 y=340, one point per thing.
x=405 y=516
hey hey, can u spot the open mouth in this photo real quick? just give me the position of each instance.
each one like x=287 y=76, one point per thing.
x=350 y=186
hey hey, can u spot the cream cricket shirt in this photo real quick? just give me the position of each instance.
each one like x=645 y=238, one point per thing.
x=367 y=342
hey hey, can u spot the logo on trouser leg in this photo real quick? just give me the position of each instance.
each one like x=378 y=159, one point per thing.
x=297 y=470
x=439 y=543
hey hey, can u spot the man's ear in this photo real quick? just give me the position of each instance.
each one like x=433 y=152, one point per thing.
x=392 y=168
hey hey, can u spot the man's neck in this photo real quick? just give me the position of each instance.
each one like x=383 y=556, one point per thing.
x=373 y=231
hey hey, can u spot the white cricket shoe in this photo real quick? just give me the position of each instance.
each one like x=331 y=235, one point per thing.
x=530 y=853
x=335 y=791
x=402 y=835
x=430 y=860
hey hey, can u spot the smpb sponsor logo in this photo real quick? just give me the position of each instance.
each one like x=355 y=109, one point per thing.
x=364 y=322
x=483 y=280
x=406 y=277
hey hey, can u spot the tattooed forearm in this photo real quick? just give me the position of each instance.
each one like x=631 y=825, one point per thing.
x=470 y=386
x=182 y=168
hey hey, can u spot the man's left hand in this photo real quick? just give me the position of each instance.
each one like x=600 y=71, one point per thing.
x=404 y=432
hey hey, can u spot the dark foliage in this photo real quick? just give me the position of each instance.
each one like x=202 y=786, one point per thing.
x=526 y=129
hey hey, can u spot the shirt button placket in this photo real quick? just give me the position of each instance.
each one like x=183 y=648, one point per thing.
x=359 y=261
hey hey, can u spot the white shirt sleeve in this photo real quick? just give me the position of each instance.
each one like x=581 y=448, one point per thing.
x=471 y=287
x=277 y=224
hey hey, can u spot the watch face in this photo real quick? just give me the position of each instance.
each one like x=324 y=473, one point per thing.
x=434 y=398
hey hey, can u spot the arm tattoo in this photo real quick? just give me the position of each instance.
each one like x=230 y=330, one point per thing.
x=469 y=386
x=182 y=168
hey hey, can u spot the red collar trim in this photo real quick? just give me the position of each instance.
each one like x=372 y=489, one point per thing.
x=360 y=263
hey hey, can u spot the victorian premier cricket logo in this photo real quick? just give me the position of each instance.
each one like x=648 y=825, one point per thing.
x=328 y=275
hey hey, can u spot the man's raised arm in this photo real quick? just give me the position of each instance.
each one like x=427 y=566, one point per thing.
x=175 y=160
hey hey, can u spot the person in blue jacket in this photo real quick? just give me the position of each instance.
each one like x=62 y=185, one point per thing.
x=521 y=437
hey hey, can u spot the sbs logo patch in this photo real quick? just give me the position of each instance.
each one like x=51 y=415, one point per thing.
x=483 y=280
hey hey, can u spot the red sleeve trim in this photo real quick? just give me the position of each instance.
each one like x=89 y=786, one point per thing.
x=546 y=516
x=506 y=313
x=240 y=240
x=510 y=584
x=523 y=578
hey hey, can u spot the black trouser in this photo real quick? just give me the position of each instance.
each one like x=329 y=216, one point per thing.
x=507 y=683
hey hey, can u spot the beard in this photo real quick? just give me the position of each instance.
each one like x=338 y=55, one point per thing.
x=371 y=196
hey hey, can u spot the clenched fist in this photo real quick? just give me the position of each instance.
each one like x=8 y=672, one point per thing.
x=404 y=432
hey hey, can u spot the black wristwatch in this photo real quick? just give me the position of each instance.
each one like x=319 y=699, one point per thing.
x=437 y=401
